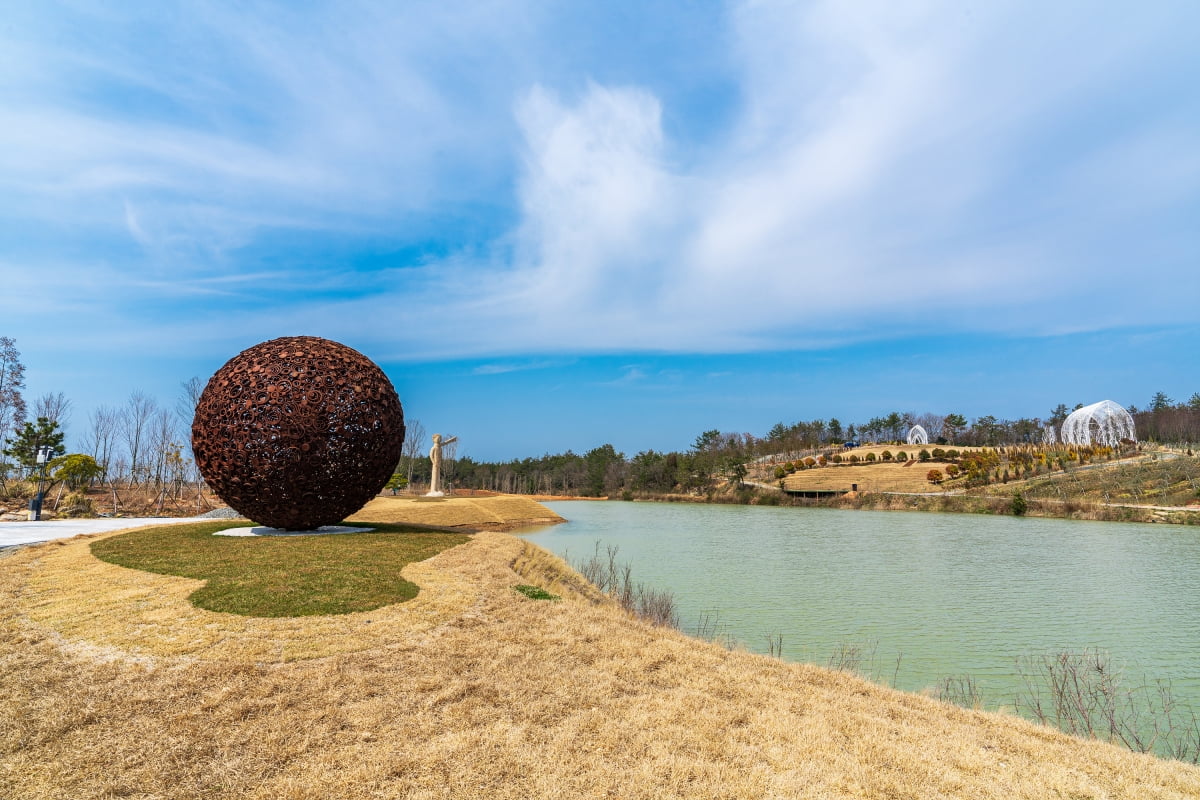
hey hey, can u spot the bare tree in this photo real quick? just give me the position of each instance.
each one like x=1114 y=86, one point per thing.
x=101 y=435
x=932 y=423
x=54 y=407
x=12 y=380
x=135 y=420
x=116 y=468
x=163 y=447
x=189 y=398
x=449 y=469
x=185 y=409
x=413 y=448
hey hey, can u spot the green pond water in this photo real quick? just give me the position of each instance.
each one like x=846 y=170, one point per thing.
x=920 y=597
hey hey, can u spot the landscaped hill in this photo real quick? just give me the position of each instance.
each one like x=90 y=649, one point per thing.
x=870 y=470
x=881 y=477
x=1159 y=479
x=1155 y=477
x=114 y=685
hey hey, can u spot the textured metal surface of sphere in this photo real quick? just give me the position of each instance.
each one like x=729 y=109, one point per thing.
x=298 y=432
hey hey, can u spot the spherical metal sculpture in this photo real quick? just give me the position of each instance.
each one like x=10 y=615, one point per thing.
x=298 y=432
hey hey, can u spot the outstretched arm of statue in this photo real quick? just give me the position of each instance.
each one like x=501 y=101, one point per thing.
x=451 y=439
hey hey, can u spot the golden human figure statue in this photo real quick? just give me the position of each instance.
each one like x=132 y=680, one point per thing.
x=435 y=456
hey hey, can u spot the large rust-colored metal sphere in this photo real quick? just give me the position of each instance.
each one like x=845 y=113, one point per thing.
x=298 y=432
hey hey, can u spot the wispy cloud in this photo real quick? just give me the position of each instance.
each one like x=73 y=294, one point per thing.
x=500 y=368
x=629 y=375
x=456 y=180
x=871 y=187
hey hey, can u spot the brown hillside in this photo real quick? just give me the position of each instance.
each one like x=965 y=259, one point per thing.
x=886 y=477
x=115 y=687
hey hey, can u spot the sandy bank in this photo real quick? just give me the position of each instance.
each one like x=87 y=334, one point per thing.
x=499 y=512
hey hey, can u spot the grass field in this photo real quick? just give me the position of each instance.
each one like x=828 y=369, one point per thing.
x=115 y=685
x=885 y=477
x=281 y=576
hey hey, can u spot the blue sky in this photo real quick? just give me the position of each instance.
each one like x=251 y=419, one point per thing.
x=556 y=225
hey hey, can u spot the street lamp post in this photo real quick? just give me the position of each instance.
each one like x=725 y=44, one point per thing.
x=35 y=505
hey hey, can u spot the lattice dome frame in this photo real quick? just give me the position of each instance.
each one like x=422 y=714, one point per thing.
x=917 y=435
x=1104 y=423
x=298 y=432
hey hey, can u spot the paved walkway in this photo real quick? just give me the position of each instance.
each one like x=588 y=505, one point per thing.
x=14 y=533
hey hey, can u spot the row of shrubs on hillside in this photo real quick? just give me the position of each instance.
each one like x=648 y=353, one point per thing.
x=979 y=467
x=983 y=467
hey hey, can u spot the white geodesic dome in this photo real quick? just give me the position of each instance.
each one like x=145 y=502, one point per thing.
x=1104 y=423
x=917 y=435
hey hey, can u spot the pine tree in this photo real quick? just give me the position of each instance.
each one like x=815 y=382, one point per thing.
x=25 y=445
x=1160 y=402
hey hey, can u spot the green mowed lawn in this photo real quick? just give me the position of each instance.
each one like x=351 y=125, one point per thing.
x=282 y=576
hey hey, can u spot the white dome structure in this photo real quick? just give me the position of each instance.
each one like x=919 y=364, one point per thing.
x=1103 y=423
x=917 y=435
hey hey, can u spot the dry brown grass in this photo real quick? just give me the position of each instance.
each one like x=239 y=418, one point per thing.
x=880 y=477
x=101 y=605
x=113 y=687
x=499 y=512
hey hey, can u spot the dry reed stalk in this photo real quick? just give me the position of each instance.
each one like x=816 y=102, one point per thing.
x=552 y=574
x=506 y=697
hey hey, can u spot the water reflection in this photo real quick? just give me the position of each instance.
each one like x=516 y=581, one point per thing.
x=920 y=596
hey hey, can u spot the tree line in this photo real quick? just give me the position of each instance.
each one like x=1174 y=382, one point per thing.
x=717 y=457
x=145 y=443
x=142 y=444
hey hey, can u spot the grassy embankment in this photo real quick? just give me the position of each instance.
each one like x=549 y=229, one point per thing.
x=1001 y=503
x=294 y=576
x=1157 y=480
x=115 y=685
x=282 y=576
x=1148 y=487
x=1144 y=489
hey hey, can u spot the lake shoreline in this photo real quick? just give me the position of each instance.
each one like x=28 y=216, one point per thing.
x=474 y=689
x=1003 y=505
x=915 y=601
x=990 y=505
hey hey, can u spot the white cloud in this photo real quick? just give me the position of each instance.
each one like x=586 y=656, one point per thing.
x=618 y=249
x=886 y=168
x=219 y=122
x=501 y=368
x=871 y=178
x=597 y=206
